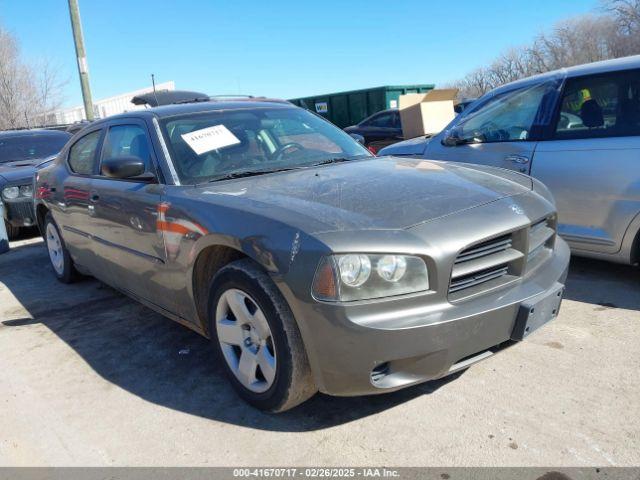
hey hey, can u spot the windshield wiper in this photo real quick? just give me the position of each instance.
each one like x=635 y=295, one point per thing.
x=338 y=160
x=253 y=173
x=249 y=173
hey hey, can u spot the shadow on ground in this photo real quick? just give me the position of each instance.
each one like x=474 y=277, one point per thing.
x=26 y=233
x=605 y=284
x=167 y=364
x=154 y=358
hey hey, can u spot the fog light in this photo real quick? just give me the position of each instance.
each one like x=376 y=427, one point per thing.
x=380 y=372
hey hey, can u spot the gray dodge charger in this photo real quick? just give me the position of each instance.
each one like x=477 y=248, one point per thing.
x=309 y=263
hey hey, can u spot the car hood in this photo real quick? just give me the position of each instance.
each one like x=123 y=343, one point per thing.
x=377 y=193
x=413 y=146
x=21 y=170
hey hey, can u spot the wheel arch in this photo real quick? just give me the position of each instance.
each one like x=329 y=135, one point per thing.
x=630 y=249
x=209 y=260
x=41 y=214
x=635 y=249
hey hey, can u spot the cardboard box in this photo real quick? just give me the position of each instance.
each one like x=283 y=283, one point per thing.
x=426 y=114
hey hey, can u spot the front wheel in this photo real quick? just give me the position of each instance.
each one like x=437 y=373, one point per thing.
x=257 y=339
x=58 y=254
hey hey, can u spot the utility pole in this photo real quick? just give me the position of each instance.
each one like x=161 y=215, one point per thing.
x=83 y=69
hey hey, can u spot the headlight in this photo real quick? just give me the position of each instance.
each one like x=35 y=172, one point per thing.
x=357 y=276
x=26 y=191
x=354 y=269
x=10 y=193
x=392 y=267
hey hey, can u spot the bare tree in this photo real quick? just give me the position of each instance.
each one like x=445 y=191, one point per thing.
x=49 y=88
x=626 y=14
x=583 y=39
x=26 y=91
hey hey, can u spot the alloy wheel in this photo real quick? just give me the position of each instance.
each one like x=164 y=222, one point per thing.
x=54 y=245
x=245 y=340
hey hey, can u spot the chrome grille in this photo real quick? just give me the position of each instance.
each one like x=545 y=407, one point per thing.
x=19 y=210
x=483 y=262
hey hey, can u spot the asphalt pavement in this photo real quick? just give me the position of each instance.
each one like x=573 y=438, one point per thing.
x=90 y=377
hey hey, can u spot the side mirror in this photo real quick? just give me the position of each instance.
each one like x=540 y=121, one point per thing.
x=123 y=167
x=451 y=138
x=357 y=137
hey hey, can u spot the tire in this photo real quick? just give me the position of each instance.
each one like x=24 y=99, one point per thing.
x=277 y=345
x=59 y=257
x=12 y=232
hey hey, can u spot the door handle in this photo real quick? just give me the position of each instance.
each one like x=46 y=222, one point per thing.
x=521 y=159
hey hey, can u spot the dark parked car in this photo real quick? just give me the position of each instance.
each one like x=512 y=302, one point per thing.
x=379 y=130
x=21 y=152
x=385 y=128
x=309 y=263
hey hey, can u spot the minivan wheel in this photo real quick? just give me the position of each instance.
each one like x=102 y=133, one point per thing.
x=58 y=254
x=257 y=340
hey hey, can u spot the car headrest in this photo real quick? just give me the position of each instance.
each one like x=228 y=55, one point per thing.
x=591 y=114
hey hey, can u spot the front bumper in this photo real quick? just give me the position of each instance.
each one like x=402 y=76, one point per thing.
x=19 y=212
x=376 y=347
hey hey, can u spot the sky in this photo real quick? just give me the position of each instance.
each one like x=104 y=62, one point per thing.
x=276 y=48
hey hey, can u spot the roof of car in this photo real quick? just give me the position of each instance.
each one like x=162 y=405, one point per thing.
x=33 y=131
x=208 y=106
x=624 y=63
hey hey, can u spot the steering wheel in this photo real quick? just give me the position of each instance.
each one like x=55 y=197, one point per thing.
x=490 y=132
x=286 y=149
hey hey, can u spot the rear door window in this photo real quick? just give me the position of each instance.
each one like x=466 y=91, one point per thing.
x=600 y=106
x=384 y=120
x=396 y=120
x=82 y=154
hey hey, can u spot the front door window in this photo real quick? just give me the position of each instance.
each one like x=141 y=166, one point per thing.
x=507 y=117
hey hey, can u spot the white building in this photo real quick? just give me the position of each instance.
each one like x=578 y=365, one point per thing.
x=105 y=107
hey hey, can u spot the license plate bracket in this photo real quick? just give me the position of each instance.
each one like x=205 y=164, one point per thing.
x=535 y=312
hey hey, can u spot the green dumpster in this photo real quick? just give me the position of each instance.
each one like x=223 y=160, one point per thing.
x=349 y=108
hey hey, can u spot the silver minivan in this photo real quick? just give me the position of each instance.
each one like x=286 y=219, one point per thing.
x=578 y=131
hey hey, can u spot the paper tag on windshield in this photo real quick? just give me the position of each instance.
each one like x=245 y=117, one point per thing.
x=210 y=138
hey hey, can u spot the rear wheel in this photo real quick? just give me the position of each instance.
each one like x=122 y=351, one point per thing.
x=58 y=254
x=257 y=339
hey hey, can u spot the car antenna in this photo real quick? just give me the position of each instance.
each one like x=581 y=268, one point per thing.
x=153 y=82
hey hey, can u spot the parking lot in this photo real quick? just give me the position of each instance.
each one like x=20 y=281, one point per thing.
x=89 y=377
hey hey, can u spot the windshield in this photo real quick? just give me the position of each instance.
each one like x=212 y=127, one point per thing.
x=29 y=147
x=216 y=145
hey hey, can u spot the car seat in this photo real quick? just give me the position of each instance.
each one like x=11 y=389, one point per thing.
x=140 y=148
x=591 y=114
